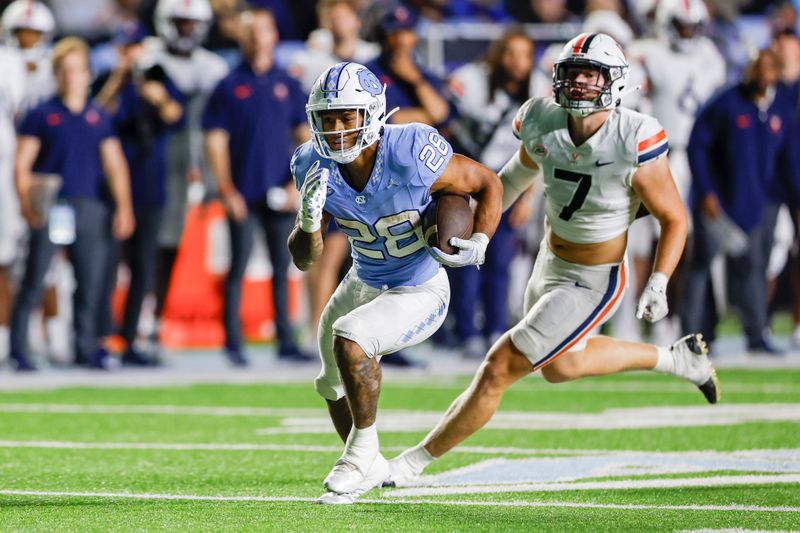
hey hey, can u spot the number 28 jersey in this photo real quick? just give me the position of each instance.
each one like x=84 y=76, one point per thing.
x=588 y=190
x=384 y=221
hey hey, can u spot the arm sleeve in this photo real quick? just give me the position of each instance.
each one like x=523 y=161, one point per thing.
x=699 y=148
x=105 y=128
x=31 y=125
x=214 y=115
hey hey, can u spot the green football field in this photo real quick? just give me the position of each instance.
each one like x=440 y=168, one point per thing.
x=633 y=452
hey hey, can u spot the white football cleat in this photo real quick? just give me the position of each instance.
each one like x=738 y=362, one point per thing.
x=378 y=473
x=401 y=472
x=690 y=356
x=345 y=476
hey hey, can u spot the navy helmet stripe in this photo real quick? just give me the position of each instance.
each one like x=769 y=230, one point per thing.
x=587 y=42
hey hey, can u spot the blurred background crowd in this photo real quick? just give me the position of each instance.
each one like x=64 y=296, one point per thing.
x=146 y=198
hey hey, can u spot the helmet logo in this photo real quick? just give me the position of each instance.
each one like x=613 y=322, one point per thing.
x=369 y=82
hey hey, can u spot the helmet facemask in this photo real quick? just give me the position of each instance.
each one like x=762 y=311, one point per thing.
x=563 y=86
x=346 y=87
x=365 y=129
x=187 y=40
x=684 y=35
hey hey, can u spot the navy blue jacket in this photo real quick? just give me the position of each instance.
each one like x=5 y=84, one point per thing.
x=743 y=155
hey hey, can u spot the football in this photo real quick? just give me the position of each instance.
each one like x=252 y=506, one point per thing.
x=447 y=216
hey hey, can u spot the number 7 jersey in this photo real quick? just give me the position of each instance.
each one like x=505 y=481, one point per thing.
x=588 y=190
x=384 y=221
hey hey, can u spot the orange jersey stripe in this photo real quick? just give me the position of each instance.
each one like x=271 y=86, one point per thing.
x=655 y=139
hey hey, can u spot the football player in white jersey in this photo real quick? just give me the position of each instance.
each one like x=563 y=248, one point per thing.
x=28 y=79
x=182 y=26
x=11 y=222
x=598 y=163
x=28 y=25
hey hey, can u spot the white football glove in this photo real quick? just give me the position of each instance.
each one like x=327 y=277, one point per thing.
x=313 y=194
x=653 y=302
x=470 y=252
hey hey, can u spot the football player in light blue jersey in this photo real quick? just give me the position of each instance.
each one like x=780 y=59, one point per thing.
x=376 y=180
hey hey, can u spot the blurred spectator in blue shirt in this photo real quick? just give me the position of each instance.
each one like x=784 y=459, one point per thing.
x=69 y=136
x=143 y=104
x=417 y=92
x=734 y=150
x=336 y=40
x=253 y=121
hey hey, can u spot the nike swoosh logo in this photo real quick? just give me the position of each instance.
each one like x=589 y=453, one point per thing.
x=602 y=164
x=581 y=285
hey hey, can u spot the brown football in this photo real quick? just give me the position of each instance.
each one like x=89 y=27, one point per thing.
x=447 y=216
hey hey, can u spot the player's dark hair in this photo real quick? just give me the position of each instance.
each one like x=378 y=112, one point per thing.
x=494 y=58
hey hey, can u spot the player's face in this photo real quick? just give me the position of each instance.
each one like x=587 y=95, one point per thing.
x=517 y=58
x=28 y=38
x=585 y=83
x=338 y=120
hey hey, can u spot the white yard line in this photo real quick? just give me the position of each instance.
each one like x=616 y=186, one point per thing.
x=715 y=481
x=317 y=421
x=157 y=410
x=477 y=450
x=66 y=445
x=465 y=503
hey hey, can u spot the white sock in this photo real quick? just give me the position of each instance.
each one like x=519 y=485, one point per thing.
x=362 y=446
x=418 y=458
x=4 y=340
x=665 y=363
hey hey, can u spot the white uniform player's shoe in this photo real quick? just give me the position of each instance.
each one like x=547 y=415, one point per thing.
x=690 y=356
x=378 y=473
x=401 y=472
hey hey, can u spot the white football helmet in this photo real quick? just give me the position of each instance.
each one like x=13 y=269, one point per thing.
x=347 y=86
x=28 y=15
x=197 y=11
x=599 y=52
x=681 y=22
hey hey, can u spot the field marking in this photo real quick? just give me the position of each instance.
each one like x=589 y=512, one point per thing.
x=476 y=450
x=398 y=421
x=68 y=445
x=464 y=503
x=157 y=410
x=628 y=386
x=632 y=484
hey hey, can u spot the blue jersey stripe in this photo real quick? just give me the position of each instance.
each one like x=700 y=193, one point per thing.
x=647 y=156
